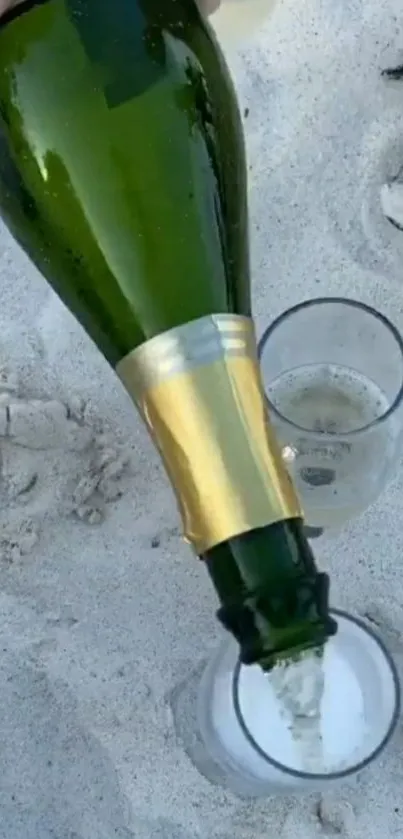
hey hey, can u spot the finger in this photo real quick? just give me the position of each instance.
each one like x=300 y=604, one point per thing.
x=208 y=6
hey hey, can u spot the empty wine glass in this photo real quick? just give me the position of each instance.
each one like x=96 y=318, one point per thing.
x=332 y=370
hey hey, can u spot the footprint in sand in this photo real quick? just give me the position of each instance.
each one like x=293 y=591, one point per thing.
x=54 y=461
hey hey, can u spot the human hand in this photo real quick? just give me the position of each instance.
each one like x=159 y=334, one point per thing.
x=207 y=6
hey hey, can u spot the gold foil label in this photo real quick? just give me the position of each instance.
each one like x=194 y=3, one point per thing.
x=198 y=388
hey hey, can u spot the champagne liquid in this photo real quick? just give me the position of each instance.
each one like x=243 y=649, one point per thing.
x=299 y=688
x=337 y=476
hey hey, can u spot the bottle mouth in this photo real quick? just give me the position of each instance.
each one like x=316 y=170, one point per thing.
x=304 y=622
x=323 y=631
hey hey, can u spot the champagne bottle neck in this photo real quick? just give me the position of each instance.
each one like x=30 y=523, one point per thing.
x=199 y=391
x=272 y=598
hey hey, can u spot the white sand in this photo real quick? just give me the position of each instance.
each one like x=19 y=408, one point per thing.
x=97 y=626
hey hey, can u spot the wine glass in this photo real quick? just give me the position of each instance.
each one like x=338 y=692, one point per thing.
x=234 y=746
x=332 y=369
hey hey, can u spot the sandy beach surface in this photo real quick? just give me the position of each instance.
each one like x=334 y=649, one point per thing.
x=103 y=609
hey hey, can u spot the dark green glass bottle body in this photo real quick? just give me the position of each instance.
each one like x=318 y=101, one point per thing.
x=122 y=175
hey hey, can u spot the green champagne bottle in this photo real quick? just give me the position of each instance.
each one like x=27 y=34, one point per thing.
x=122 y=175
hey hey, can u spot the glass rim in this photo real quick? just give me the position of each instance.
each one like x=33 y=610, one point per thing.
x=354 y=304
x=354 y=768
